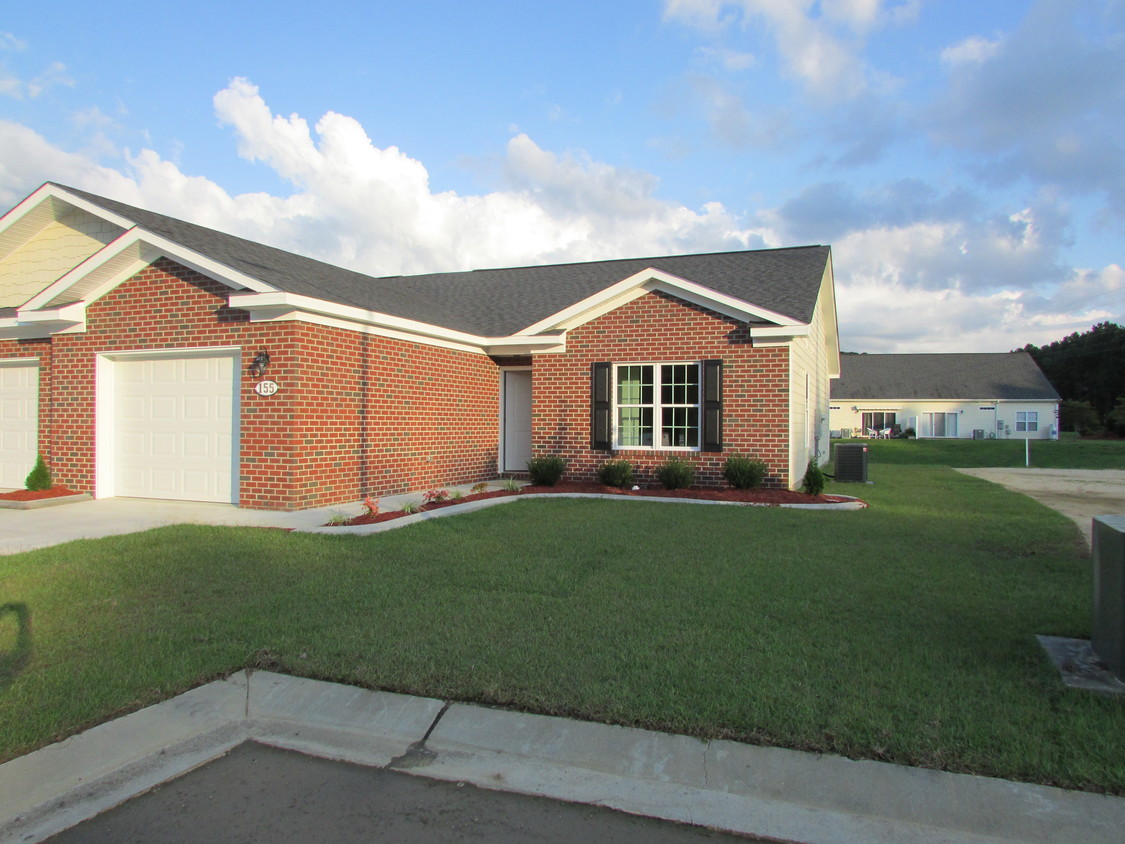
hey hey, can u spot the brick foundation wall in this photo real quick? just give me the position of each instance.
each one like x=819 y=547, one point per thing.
x=659 y=328
x=355 y=413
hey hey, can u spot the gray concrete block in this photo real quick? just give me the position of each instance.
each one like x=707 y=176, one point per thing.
x=335 y=721
x=68 y=781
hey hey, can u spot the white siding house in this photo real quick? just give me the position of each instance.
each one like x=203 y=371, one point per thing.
x=964 y=396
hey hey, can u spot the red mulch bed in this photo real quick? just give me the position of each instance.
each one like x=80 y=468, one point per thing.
x=35 y=495
x=763 y=497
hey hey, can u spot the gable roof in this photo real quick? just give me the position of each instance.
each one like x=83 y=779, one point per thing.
x=971 y=377
x=500 y=311
x=496 y=302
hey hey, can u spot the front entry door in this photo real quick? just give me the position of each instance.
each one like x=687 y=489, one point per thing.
x=516 y=420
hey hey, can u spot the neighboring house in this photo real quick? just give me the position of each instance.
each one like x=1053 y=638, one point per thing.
x=966 y=396
x=132 y=347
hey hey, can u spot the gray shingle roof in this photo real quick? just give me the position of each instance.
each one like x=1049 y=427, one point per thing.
x=972 y=377
x=496 y=302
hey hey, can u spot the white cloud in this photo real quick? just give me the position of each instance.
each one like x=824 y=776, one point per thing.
x=728 y=59
x=936 y=276
x=10 y=42
x=820 y=44
x=974 y=50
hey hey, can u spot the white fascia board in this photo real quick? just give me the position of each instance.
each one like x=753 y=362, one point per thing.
x=649 y=280
x=263 y=306
x=43 y=323
x=87 y=206
x=126 y=255
x=12 y=329
x=280 y=306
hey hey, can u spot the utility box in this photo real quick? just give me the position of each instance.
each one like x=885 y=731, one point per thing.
x=851 y=462
x=1108 y=636
x=978 y=433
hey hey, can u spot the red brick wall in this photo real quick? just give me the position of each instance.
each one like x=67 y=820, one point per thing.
x=355 y=413
x=654 y=328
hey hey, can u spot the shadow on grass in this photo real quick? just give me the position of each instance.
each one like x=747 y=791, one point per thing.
x=13 y=660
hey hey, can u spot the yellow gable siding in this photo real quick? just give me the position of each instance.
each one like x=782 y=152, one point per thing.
x=56 y=249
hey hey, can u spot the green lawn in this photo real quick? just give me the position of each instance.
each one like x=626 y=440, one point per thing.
x=1066 y=453
x=904 y=632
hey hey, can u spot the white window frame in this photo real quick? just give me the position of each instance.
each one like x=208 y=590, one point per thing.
x=657 y=406
x=1029 y=423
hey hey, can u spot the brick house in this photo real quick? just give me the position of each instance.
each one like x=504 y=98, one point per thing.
x=148 y=357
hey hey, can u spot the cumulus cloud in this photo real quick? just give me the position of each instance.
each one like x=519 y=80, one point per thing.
x=820 y=44
x=917 y=268
x=375 y=209
x=1043 y=102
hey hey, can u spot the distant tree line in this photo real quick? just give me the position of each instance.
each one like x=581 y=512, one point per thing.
x=1088 y=370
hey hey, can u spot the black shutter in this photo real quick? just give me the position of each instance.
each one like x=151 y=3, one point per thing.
x=601 y=407
x=712 y=434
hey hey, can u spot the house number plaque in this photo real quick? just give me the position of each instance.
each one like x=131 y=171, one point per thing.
x=266 y=388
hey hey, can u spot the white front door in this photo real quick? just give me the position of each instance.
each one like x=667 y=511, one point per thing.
x=175 y=427
x=515 y=436
x=19 y=421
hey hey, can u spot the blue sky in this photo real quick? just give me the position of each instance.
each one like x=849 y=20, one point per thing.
x=964 y=160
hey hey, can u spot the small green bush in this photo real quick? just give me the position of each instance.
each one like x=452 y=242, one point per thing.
x=617 y=473
x=742 y=472
x=39 y=477
x=813 y=482
x=546 y=471
x=675 y=474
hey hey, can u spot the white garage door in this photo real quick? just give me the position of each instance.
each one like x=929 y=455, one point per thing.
x=175 y=428
x=19 y=421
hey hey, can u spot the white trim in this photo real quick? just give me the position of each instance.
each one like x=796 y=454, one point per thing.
x=105 y=458
x=275 y=306
x=148 y=247
x=657 y=405
x=502 y=445
x=650 y=280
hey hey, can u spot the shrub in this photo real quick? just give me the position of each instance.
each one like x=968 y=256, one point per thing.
x=675 y=474
x=40 y=476
x=410 y=507
x=742 y=472
x=813 y=482
x=371 y=505
x=617 y=473
x=511 y=485
x=546 y=471
x=435 y=496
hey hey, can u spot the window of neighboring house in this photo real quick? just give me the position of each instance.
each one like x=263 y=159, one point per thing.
x=657 y=405
x=1027 y=420
x=941 y=424
x=878 y=421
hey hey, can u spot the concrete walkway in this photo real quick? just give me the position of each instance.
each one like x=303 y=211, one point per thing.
x=761 y=791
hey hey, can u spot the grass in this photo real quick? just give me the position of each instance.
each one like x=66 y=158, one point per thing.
x=904 y=632
x=1066 y=453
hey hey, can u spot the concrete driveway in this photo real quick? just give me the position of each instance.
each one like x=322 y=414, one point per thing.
x=1079 y=494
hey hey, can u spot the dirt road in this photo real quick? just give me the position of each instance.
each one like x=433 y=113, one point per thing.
x=1079 y=494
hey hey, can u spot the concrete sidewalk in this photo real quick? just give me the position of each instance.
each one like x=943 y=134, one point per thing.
x=26 y=530
x=760 y=791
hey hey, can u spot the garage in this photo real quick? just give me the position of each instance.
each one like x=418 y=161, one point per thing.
x=174 y=426
x=19 y=420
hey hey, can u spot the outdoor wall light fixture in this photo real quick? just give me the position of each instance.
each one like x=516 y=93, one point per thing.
x=260 y=363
